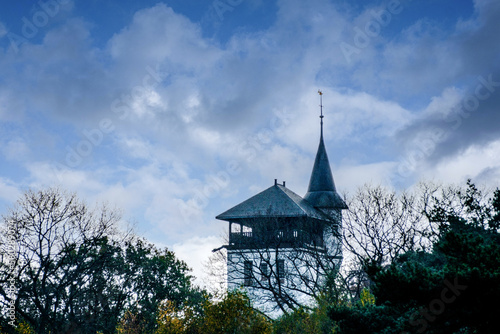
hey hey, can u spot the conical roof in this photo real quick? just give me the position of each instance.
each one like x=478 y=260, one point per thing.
x=321 y=192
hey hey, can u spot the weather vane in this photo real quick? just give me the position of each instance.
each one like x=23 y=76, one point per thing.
x=321 y=109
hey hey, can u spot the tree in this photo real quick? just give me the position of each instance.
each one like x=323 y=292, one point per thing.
x=215 y=269
x=382 y=224
x=315 y=321
x=157 y=276
x=74 y=271
x=452 y=287
x=232 y=314
x=45 y=237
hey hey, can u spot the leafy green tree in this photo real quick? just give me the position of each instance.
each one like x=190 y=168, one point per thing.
x=452 y=288
x=173 y=320
x=76 y=273
x=315 y=321
x=157 y=276
x=233 y=314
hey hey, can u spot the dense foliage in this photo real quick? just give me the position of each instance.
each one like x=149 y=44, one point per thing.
x=454 y=288
x=433 y=268
x=75 y=273
x=233 y=314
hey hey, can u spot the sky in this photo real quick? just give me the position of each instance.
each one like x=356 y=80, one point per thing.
x=175 y=111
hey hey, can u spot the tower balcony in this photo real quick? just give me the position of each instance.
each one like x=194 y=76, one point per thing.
x=294 y=238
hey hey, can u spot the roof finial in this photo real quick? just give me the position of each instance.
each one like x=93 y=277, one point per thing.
x=321 y=110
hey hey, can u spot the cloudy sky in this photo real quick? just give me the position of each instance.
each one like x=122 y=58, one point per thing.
x=175 y=111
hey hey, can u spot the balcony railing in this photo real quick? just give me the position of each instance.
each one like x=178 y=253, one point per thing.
x=275 y=238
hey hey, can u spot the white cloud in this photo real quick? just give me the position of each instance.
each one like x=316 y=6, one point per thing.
x=43 y=174
x=158 y=33
x=443 y=104
x=136 y=147
x=349 y=178
x=16 y=149
x=9 y=191
x=195 y=252
x=479 y=163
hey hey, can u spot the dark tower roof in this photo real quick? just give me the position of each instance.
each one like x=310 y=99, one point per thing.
x=276 y=201
x=321 y=192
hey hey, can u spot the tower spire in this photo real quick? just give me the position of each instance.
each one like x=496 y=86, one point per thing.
x=321 y=192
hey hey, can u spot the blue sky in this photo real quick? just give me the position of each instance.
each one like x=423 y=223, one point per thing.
x=175 y=111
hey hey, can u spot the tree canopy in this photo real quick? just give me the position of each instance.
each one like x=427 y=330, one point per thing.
x=422 y=261
x=76 y=272
x=453 y=287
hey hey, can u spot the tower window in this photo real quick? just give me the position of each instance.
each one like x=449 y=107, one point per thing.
x=264 y=271
x=281 y=270
x=247 y=273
